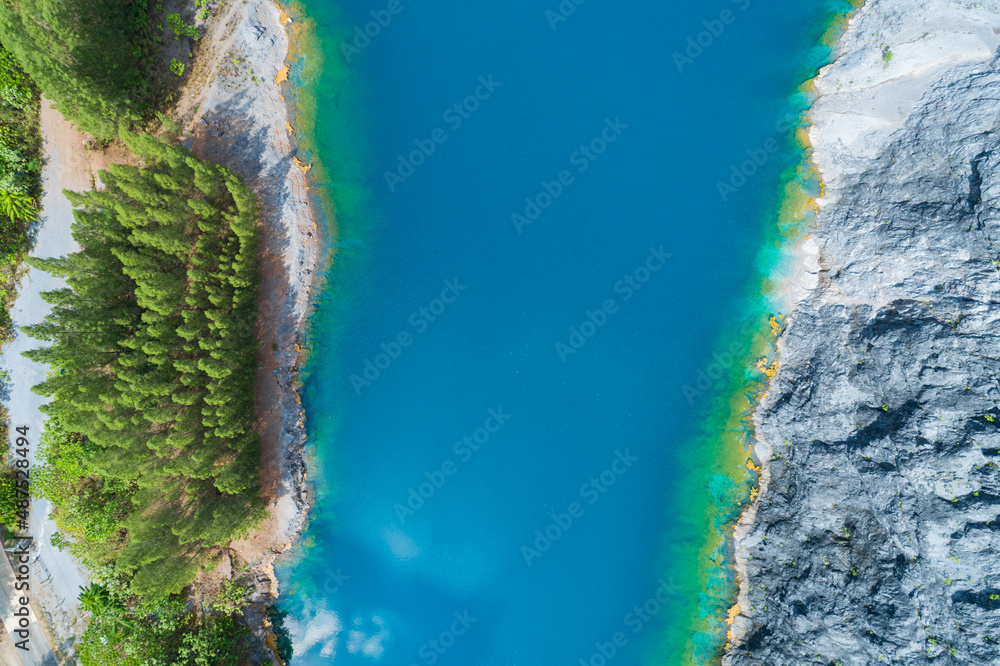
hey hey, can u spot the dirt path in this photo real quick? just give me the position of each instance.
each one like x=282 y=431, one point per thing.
x=55 y=576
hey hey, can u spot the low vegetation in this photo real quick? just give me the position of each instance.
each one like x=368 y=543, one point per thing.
x=88 y=507
x=127 y=630
x=20 y=175
x=20 y=190
x=180 y=28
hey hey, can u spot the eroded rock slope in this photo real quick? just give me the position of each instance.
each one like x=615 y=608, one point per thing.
x=876 y=538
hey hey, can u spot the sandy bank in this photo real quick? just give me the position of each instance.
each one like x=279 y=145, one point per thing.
x=233 y=113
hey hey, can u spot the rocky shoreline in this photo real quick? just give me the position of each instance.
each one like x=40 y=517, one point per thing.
x=234 y=113
x=875 y=534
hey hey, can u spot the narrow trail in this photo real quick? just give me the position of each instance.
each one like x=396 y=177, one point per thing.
x=55 y=577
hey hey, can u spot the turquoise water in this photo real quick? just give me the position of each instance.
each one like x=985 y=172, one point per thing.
x=534 y=259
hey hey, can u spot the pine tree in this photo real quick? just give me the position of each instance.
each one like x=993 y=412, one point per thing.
x=153 y=355
x=89 y=56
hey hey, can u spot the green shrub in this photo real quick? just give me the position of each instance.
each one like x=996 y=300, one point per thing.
x=16 y=88
x=232 y=599
x=15 y=176
x=18 y=207
x=134 y=631
x=8 y=500
x=180 y=28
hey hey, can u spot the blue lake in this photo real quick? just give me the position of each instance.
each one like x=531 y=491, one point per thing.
x=534 y=258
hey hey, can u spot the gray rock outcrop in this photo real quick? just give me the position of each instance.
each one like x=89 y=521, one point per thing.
x=876 y=535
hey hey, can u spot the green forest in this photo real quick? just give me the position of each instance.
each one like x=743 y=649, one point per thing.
x=96 y=59
x=152 y=356
x=149 y=454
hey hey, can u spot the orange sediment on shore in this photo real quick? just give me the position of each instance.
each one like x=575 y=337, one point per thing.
x=733 y=612
x=797 y=212
x=283 y=16
x=775 y=324
x=768 y=371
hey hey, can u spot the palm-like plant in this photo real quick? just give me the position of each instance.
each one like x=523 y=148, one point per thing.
x=18 y=207
x=96 y=599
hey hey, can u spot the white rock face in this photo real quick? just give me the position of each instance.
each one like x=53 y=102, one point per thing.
x=867 y=95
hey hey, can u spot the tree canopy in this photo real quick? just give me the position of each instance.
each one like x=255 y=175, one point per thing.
x=91 y=57
x=152 y=355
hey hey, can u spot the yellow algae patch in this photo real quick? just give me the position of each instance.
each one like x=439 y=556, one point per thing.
x=750 y=465
x=775 y=326
x=802 y=137
x=283 y=16
x=754 y=492
x=839 y=24
x=733 y=612
x=796 y=206
x=282 y=75
x=305 y=167
x=809 y=87
x=769 y=370
x=837 y=27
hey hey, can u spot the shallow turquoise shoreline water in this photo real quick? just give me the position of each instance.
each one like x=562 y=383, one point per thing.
x=534 y=259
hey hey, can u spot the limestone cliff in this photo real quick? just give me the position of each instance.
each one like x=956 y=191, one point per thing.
x=876 y=535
